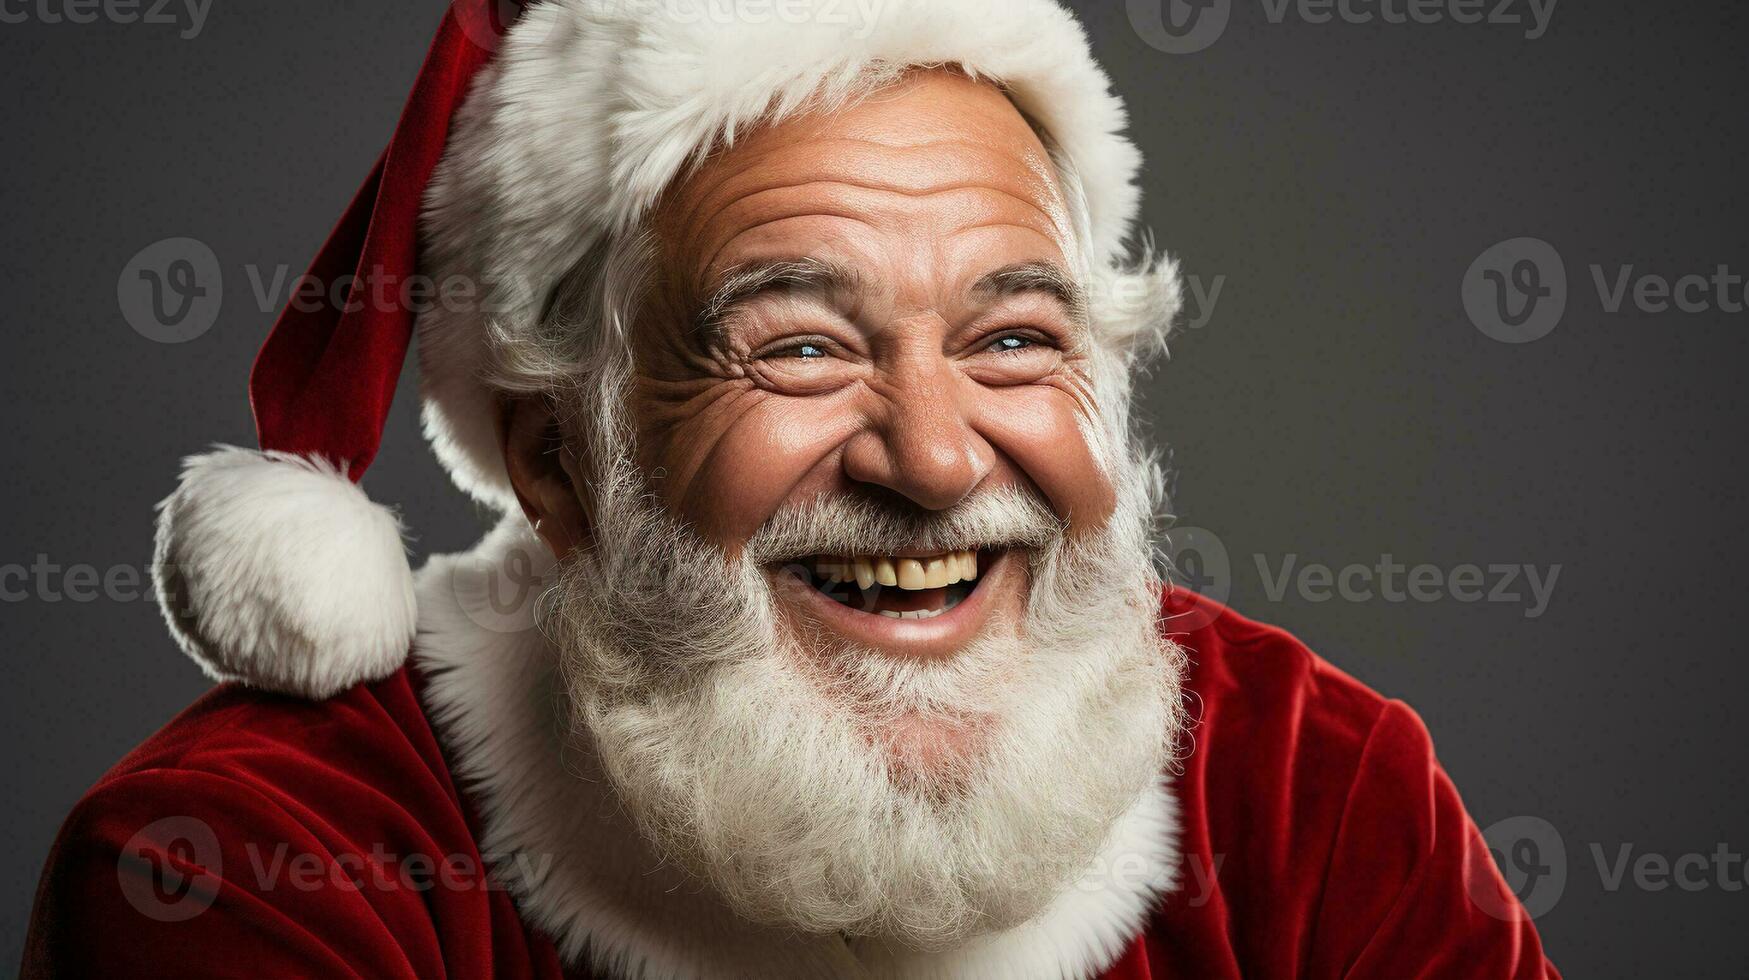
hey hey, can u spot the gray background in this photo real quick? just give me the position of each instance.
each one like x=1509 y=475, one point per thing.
x=1338 y=406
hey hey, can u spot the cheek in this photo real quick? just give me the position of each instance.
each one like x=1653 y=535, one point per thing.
x=726 y=473
x=1039 y=429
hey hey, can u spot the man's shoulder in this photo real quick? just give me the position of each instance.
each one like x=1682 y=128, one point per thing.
x=372 y=734
x=244 y=764
x=1249 y=669
x=1276 y=729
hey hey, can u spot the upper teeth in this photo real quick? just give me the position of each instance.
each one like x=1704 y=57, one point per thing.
x=905 y=573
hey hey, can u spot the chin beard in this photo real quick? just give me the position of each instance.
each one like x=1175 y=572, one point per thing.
x=808 y=784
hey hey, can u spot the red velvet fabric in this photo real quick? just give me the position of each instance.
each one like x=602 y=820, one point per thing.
x=323 y=382
x=1320 y=839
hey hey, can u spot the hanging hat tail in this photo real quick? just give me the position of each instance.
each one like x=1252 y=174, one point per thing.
x=272 y=567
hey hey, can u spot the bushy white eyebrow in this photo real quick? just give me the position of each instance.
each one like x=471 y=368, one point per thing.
x=1037 y=277
x=751 y=279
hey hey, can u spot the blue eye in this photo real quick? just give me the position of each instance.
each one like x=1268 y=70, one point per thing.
x=806 y=351
x=1003 y=345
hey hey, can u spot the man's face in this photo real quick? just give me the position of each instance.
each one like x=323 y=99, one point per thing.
x=881 y=302
x=864 y=357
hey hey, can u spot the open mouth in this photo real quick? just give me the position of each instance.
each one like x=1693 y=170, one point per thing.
x=896 y=586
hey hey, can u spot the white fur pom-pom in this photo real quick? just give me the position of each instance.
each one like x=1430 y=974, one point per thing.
x=275 y=570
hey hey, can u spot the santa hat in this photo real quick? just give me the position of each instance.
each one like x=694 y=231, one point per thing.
x=531 y=135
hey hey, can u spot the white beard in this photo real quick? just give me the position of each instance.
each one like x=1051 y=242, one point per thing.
x=759 y=760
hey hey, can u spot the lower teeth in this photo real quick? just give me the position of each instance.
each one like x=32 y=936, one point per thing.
x=913 y=614
x=952 y=601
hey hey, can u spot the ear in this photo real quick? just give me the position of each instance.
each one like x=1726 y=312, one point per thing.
x=544 y=473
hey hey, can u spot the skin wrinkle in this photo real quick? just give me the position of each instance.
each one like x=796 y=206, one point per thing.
x=842 y=206
x=713 y=185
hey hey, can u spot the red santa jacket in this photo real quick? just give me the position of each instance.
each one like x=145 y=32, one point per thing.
x=257 y=835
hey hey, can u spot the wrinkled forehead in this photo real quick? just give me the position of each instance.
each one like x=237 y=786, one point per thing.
x=936 y=150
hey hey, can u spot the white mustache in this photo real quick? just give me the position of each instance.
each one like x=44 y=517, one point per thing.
x=1004 y=517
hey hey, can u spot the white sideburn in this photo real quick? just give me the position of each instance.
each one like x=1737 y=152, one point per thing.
x=581 y=873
